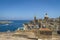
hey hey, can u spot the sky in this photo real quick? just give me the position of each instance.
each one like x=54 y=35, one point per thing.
x=27 y=9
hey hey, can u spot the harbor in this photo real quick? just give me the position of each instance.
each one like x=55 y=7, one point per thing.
x=29 y=19
x=37 y=29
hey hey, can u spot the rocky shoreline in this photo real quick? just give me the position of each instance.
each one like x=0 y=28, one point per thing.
x=26 y=35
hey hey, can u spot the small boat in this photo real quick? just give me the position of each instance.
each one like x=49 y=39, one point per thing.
x=8 y=31
x=6 y=24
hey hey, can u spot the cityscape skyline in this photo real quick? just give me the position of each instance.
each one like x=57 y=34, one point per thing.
x=27 y=9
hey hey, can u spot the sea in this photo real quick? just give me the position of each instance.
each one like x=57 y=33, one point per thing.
x=13 y=26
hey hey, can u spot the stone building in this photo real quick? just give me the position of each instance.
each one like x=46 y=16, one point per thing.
x=35 y=20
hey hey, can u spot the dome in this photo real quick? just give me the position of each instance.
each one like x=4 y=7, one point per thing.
x=46 y=15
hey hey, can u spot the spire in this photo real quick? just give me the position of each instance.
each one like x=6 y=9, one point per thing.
x=34 y=17
x=46 y=15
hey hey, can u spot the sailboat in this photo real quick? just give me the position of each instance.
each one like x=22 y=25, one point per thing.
x=6 y=24
x=8 y=31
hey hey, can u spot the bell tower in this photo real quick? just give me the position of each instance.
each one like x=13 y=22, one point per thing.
x=46 y=17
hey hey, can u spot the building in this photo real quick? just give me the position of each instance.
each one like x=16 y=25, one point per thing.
x=25 y=26
x=46 y=17
x=35 y=20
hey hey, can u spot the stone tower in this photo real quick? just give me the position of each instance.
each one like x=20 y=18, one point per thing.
x=34 y=19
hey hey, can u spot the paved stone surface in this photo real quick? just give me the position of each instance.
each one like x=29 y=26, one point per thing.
x=8 y=36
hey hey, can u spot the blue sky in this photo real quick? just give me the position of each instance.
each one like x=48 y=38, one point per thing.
x=27 y=9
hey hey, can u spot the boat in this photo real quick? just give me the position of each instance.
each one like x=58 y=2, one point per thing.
x=8 y=31
x=6 y=24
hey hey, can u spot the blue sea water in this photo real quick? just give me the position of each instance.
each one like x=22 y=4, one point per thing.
x=14 y=25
